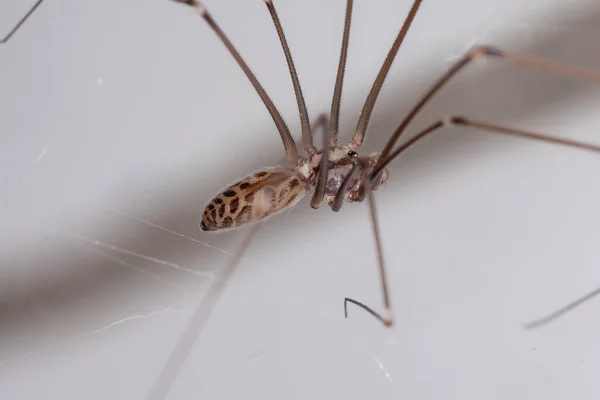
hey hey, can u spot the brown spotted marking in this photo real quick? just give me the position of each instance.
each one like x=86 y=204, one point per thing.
x=284 y=193
x=227 y=222
x=233 y=206
x=291 y=199
x=256 y=197
x=244 y=215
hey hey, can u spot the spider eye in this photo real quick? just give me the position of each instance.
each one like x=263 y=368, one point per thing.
x=353 y=154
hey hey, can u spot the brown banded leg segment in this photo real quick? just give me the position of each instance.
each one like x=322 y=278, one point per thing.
x=322 y=122
x=317 y=198
x=475 y=53
x=286 y=137
x=307 y=140
x=365 y=115
x=455 y=120
x=339 y=80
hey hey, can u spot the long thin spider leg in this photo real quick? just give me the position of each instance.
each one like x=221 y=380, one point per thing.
x=319 y=193
x=364 y=307
x=455 y=120
x=21 y=22
x=288 y=142
x=307 y=140
x=334 y=122
x=467 y=59
x=365 y=115
x=387 y=318
x=317 y=198
x=562 y=311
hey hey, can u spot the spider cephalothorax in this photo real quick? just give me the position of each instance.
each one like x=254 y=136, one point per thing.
x=340 y=166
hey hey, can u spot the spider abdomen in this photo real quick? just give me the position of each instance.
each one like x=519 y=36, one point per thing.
x=260 y=195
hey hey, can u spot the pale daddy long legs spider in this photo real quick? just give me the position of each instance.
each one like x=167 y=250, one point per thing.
x=337 y=172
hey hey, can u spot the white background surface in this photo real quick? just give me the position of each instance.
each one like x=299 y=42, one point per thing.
x=119 y=120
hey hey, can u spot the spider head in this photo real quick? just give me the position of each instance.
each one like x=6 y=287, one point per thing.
x=342 y=155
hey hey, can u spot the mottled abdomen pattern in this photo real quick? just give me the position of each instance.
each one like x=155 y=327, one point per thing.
x=258 y=196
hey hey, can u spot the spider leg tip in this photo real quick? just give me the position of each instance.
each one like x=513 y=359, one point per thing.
x=530 y=326
x=388 y=318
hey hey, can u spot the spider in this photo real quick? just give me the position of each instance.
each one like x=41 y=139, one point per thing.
x=337 y=173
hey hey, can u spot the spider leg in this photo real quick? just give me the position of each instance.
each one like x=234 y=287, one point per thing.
x=332 y=133
x=286 y=137
x=307 y=139
x=387 y=318
x=339 y=80
x=365 y=115
x=322 y=122
x=475 y=53
x=562 y=311
x=21 y=22
x=456 y=120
